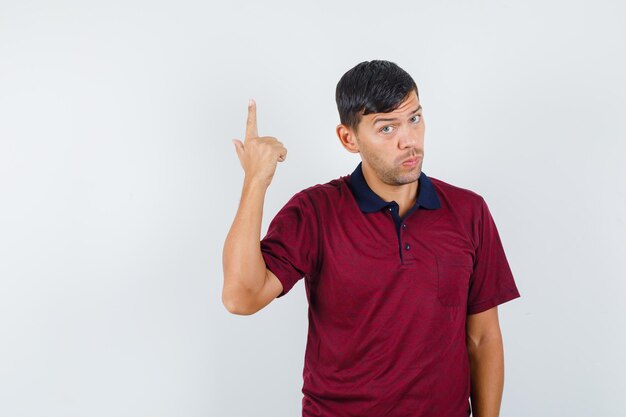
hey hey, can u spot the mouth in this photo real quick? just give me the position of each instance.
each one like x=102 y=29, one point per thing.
x=412 y=161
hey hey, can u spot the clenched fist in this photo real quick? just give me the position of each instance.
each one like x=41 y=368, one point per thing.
x=258 y=155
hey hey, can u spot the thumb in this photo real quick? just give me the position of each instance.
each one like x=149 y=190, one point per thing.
x=238 y=147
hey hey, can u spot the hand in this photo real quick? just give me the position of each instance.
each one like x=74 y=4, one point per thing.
x=258 y=155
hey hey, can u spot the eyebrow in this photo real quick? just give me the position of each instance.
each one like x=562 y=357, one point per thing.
x=392 y=119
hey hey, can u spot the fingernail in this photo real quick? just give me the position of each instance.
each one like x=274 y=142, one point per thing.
x=250 y=102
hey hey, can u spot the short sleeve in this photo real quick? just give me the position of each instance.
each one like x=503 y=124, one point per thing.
x=492 y=281
x=289 y=247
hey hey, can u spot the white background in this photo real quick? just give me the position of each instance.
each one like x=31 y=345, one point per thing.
x=119 y=181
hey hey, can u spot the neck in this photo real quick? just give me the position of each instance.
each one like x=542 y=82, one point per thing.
x=404 y=194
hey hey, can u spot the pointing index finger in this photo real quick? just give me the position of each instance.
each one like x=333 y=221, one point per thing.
x=251 y=129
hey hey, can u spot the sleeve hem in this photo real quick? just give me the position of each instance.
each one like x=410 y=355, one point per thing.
x=500 y=299
x=280 y=274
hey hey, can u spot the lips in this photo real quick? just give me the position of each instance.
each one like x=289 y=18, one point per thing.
x=411 y=161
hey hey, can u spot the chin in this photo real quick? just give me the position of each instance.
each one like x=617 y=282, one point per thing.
x=407 y=179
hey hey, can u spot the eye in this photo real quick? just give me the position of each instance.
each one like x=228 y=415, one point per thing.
x=416 y=118
x=387 y=129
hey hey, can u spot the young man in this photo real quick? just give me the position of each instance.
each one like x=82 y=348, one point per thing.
x=403 y=272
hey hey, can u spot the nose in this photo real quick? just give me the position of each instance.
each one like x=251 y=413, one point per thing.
x=408 y=139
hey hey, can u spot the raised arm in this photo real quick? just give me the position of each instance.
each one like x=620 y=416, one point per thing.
x=248 y=284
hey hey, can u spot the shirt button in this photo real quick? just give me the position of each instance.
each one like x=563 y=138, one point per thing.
x=407 y=247
x=404 y=226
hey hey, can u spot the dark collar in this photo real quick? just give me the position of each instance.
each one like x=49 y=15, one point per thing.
x=369 y=201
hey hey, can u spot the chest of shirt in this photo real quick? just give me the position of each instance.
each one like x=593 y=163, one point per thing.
x=367 y=262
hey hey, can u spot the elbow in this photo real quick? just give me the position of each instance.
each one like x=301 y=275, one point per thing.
x=235 y=305
x=237 y=310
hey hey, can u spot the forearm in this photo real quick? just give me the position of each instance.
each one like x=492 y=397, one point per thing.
x=487 y=376
x=244 y=267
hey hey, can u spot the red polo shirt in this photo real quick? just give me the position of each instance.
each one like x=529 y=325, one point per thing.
x=388 y=297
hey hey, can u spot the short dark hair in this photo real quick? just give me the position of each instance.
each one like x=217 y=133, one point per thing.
x=371 y=87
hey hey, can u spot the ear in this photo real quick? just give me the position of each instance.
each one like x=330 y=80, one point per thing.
x=347 y=138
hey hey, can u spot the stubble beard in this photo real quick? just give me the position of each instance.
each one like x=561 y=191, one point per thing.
x=395 y=177
x=392 y=175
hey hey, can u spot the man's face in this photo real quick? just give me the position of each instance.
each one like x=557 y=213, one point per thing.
x=392 y=144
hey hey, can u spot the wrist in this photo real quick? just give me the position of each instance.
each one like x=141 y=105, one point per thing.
x=255 y=183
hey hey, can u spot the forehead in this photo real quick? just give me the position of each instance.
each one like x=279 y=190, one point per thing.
x=406 y=108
